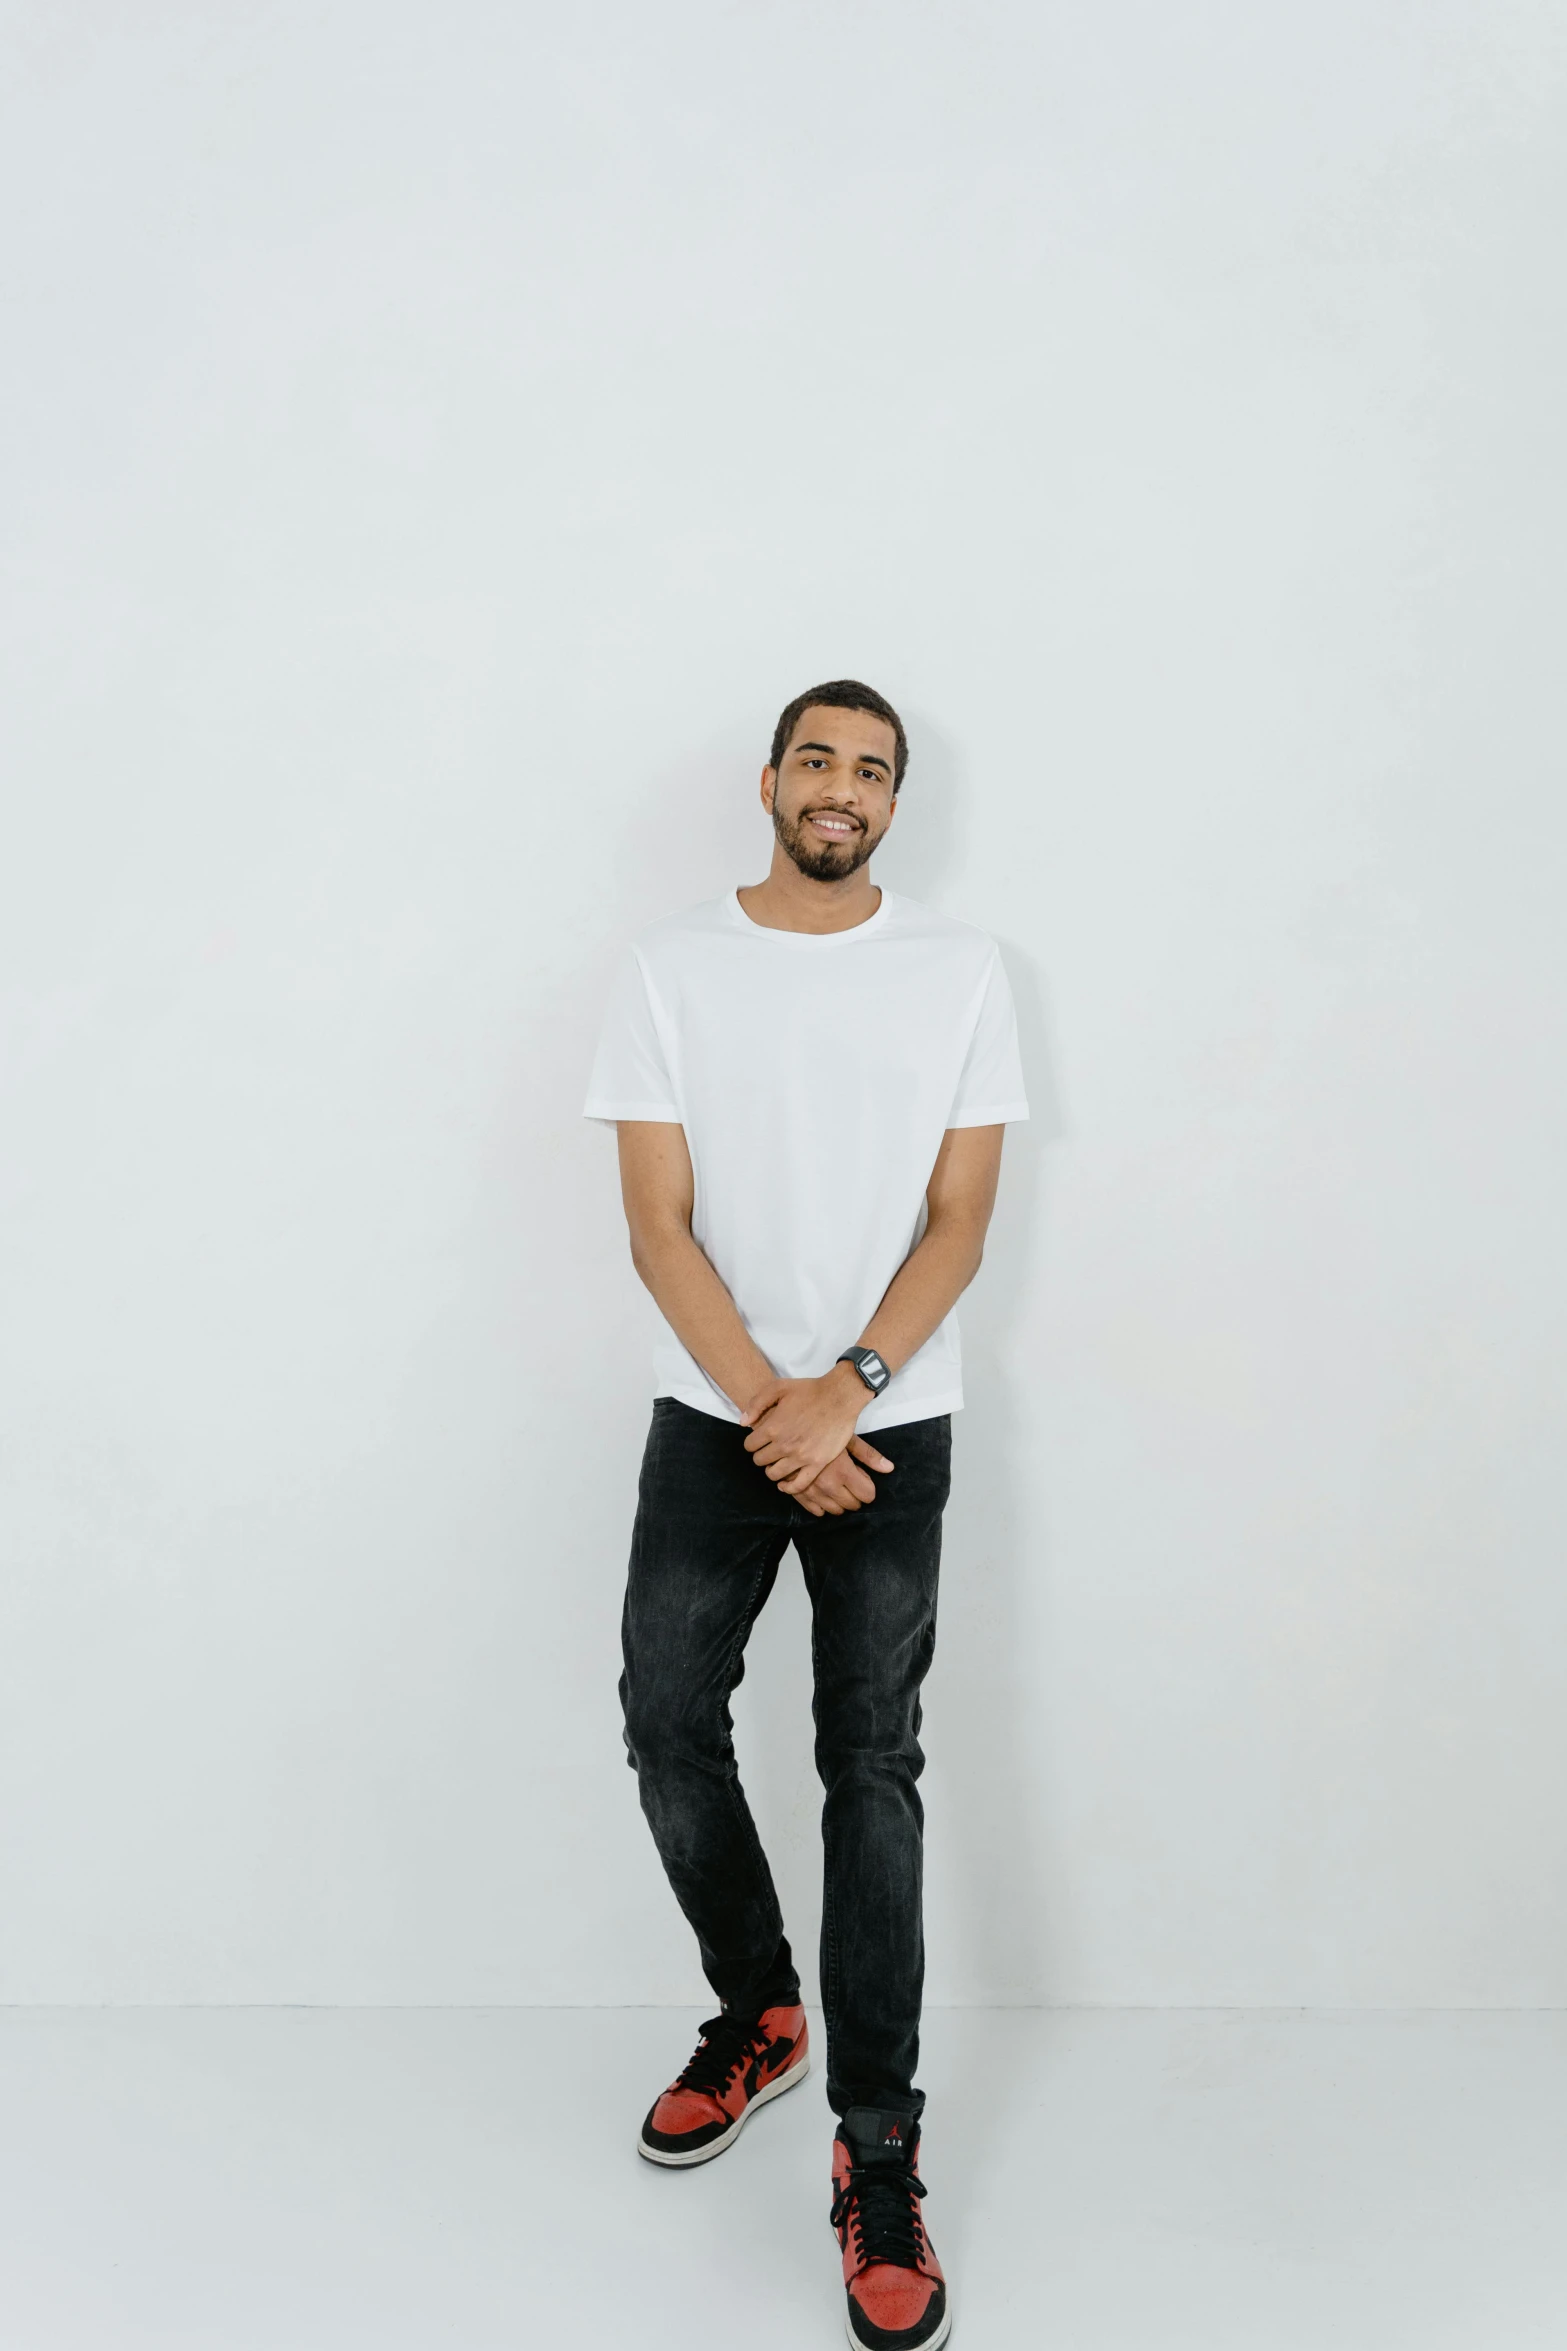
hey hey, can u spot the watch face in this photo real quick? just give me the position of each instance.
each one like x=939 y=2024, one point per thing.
x=877 y=1370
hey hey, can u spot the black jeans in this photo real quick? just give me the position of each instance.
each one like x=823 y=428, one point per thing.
x=711 y=1529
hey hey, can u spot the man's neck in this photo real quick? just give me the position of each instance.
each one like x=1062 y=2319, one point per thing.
x=790 y=901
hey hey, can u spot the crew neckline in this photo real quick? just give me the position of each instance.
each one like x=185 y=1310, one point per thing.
x=766 y=930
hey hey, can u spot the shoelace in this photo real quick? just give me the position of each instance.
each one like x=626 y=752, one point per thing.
x=726 y=2043
x=879 y=2202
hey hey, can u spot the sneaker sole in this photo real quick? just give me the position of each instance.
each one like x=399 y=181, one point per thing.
x=931 y=2342
x=786 y=2081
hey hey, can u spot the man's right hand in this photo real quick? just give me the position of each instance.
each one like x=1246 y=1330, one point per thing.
x=843 y=1484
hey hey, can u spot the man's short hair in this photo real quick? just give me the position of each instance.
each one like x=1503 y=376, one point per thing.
x=842 y=694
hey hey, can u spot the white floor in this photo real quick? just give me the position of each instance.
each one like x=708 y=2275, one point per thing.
x=315 y=2179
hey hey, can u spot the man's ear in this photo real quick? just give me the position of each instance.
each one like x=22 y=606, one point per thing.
x=769 y=787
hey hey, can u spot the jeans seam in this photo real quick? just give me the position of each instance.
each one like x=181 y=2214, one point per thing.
x=737 y=1801
x=829 y=1985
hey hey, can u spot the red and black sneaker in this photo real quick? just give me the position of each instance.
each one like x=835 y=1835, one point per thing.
x=897 y=2295
x=740 y=2062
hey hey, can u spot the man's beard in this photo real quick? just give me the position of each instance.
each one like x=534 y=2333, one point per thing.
x=822 y=861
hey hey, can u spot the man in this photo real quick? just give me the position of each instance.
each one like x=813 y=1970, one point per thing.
x=810 y=1079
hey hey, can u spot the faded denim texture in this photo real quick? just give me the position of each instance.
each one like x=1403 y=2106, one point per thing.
x=711 y=1529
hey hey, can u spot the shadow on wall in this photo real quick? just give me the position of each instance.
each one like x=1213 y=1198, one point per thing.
x=987 y=1743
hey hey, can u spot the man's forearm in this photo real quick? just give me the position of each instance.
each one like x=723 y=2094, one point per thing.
x=924 y=1290
x=701 y=1313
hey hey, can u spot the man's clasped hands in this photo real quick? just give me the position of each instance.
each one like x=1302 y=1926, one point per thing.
x=803 y=1435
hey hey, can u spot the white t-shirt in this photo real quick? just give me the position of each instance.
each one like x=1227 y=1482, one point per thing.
x=814 y=1078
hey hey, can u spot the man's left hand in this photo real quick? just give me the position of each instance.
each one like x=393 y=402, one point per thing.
x=798 y=1426
x=843 y=1484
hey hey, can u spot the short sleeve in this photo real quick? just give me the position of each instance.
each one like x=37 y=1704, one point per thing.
x=630 y=1073
x=990 y=1090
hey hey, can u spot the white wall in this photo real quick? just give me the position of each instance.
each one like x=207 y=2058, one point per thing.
x=441 y=439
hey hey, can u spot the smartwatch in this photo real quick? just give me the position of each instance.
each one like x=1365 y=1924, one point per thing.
x=869 y=1365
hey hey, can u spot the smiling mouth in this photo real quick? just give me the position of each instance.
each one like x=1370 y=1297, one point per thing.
x=827 y=821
